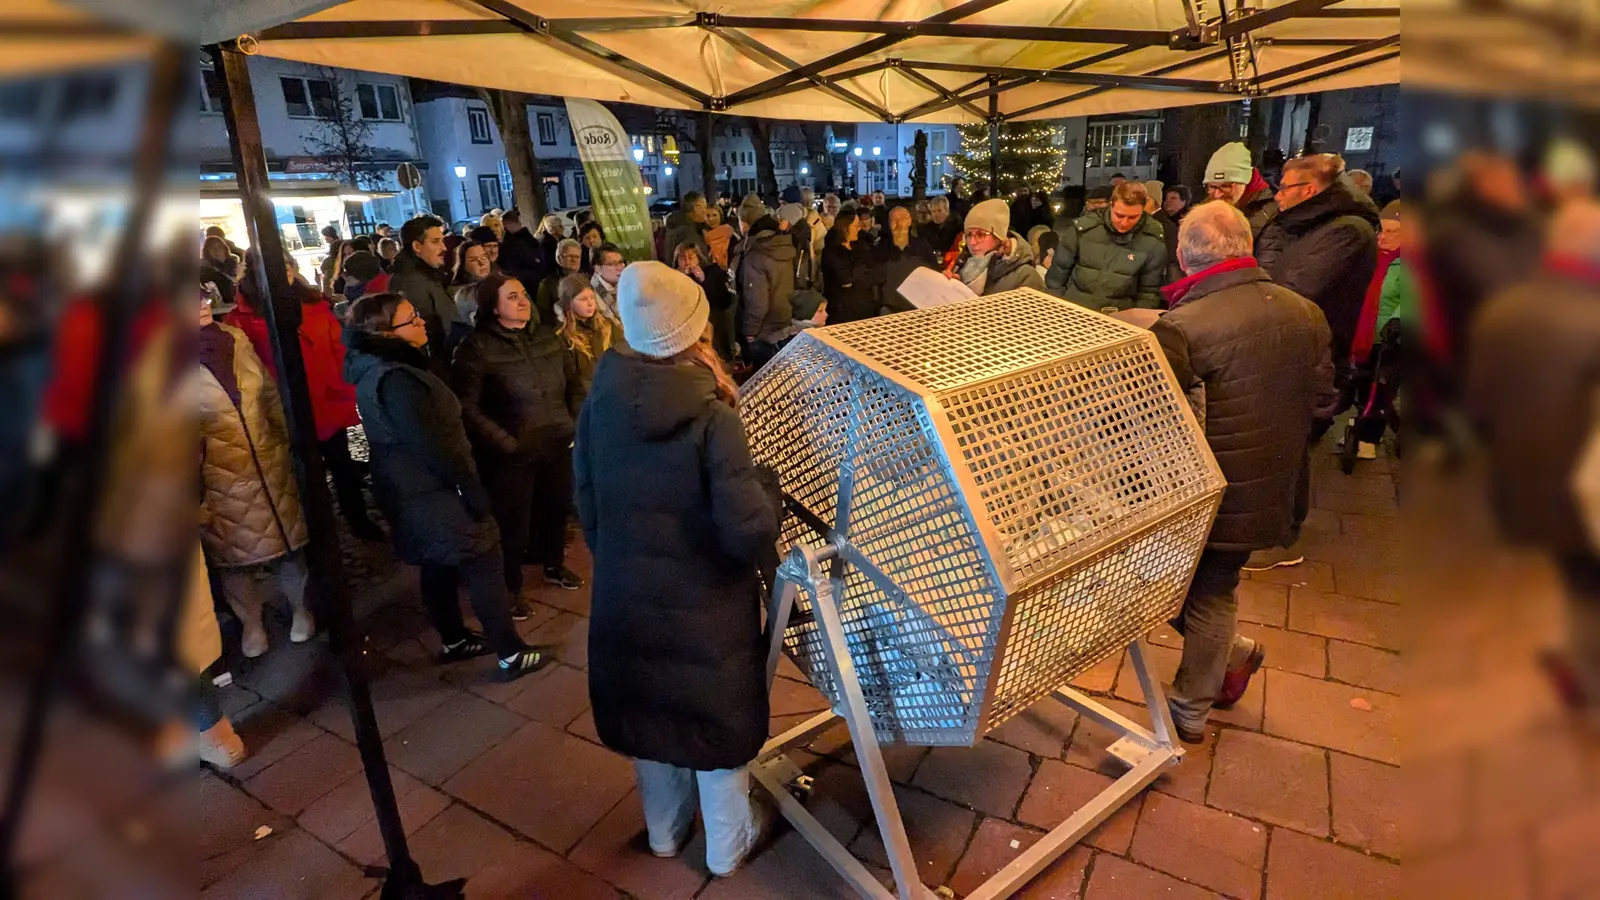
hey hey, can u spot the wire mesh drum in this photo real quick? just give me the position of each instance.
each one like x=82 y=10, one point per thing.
x=1016 y=487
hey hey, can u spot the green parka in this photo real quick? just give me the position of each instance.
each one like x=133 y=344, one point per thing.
x=1096 y=266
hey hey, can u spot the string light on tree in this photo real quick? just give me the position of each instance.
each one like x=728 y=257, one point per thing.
x=1028 y=157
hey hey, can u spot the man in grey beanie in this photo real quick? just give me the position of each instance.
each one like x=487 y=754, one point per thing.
x=1231 y=178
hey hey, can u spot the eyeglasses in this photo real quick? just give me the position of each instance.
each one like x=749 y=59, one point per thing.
x=1217 y=190
x=976 y=234
x=1285 y=187
x=414 y=320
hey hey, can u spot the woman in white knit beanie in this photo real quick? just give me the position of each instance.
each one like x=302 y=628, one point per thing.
x=679 y=520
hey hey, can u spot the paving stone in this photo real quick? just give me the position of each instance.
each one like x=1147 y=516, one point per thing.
x=567 y=636
x=618 y=850
x=1201 y=845
x=269 y=738
x=1378 y=505
x=555 y=696
x=1271 y=780
x=1163 y=662
x=1374 y=579
x=787 y=870
x=1101 y=677
x=290 y=865
x=997 y=843
x=1263 y=603
x=400 y=696
x=576 y=602
x=1290 y=651
x=1368 y=667
x=1532 y=776
x=337 y=814
x=1371 y=526
x=1321 y=521
x=418 y=808
x=1569 y=865
x=583 y=727
x=989 y=777
x=1061 y=789
x=1436 y=805
x=791 y=703
x=295 y=781
x=1368 y=798
x=545 y=783
x=1483 y=870
x=1090 y=739
x=937 y=831
x=459 y=843
x=1319 y=712
x=1117 y=879
x=900 y=761
x=1042 y=729
x=442 y=742
x=528 y=872
x=225 y=822
x=1347 y=618
x=1304 y=868
x=1314 y=574
x=1188 y=779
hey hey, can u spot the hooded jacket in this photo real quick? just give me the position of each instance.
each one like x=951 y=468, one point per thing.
x=850 y=280
x=678 y=520
x=1254 y=359
x=251 y=508
x=426 y=288
x=423 y=475
x=1325 y=249
x=333 y=400
x=766 y=267
x=519 y=390
x=1259 y=204
x=682 y=231
x=1097 y=266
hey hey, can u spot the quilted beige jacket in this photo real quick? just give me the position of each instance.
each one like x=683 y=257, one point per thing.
x=251 y=508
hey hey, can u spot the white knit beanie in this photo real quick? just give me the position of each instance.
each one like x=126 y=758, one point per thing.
x=1229 y=165
x=991 y=215
x=663 y=310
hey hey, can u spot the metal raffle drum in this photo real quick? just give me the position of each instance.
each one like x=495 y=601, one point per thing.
x=1003 y=492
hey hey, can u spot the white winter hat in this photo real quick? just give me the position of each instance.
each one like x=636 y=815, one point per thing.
x=791 y=213
x=663 y=310
x=993 y=216
x=1229 y=165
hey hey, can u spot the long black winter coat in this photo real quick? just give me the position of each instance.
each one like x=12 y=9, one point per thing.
x=1258 y=354
x=1325 y=249
x=766 y=269
x=519 y=390
x=522 y=257
x=897 y=265
x=423 y=475
x=678 y=521
x=850 y=282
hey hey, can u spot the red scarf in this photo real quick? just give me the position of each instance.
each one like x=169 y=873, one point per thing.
x=1257 y=183
x=1367 y=325
x=1176 y=291
x=1573 y=267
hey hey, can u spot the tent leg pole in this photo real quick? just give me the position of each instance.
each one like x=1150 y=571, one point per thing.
x=994 y=139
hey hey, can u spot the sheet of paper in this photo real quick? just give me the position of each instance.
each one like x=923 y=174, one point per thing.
x=926 y=288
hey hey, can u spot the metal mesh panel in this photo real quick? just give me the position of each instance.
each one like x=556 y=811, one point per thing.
x=1075 y=454
x=1064 y=626
x=1039 y=448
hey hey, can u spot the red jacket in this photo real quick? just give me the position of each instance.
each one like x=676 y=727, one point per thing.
x=333 y=400
x=1367 y=325
x=69 y=395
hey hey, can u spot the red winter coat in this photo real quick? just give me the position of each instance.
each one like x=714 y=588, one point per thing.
x=1367 y=325
x=333 y=400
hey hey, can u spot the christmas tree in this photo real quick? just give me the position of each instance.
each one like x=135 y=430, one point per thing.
x=1028 y=156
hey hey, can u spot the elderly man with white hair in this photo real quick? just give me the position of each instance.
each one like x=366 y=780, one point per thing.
x=1254 y=359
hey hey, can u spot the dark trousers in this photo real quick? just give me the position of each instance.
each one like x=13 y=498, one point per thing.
x=722 y=332
x=530 y=498
x=486 y=591
x=1211 y=643
x=346 y=474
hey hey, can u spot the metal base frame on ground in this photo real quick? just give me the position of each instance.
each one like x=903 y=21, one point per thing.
x=1147 y=751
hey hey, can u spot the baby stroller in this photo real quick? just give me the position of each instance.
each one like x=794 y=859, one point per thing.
x=1375 y=389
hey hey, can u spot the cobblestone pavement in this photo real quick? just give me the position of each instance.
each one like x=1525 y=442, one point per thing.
x=1295 y=793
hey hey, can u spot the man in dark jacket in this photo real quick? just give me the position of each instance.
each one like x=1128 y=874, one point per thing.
x=1533 y=383
x=1253 y=358
x=765 y=271
x=1323 y=243
x=521 y=255
x=1233 y=179
x=687 y=224
x=1113 y=257
x=901 y=252
x=419 y=276
x=941 y=231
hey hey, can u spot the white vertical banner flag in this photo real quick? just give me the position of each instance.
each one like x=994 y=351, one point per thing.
x=616 y=190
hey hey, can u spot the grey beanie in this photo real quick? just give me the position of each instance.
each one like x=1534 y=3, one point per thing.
x=663 y=310
x=1229 y=165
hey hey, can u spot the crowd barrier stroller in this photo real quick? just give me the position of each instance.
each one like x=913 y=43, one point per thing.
x=1375 y=391
x=983 y=500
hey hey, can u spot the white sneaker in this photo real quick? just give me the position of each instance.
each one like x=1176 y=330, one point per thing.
x=1366 y=450
x=303 y=626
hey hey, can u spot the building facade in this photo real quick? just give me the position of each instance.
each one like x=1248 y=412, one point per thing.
x=882 y=157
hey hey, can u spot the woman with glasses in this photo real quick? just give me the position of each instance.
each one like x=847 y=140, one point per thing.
x=608 y=265
x=427 y=484
x=850 y=280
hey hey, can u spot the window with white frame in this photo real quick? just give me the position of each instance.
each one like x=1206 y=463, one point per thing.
x=506 y=188
x=547 y=128
x=309 y=98
x=1358 y=139
x=489 y=191
x=1122 y=145
x=378 y=102
x=478 y=125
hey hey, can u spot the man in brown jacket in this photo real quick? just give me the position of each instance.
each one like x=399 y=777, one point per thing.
x=1254 y=360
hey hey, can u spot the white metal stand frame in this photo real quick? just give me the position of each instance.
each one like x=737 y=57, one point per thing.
x=1146 y=750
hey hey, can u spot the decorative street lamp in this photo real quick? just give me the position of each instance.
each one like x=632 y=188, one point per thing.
x=466 y=207
x=638 y=154
x=858 y=151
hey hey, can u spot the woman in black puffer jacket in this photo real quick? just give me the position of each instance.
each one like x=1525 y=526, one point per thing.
x=679 y=520
x=519 y=395
x=850 y=281
x=426 y=484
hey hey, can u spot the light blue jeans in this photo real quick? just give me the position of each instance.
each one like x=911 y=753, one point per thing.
x=669 y=796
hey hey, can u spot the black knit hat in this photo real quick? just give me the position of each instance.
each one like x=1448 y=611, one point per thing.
x=362 y=266
x=483 y=234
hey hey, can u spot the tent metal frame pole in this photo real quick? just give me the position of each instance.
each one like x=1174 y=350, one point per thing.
x=169 y=85
x=1339 y=70
x=1147 y=82
x=1326 y=59
x=994 y=138
x=1032 y=33
x=324 y=558
x=320 y=30
x=836 y=78
x=1219 y=53
x=763 y=89
x=936 y=105
x=752 y=47
x=943 y=92
x=1253 y=21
